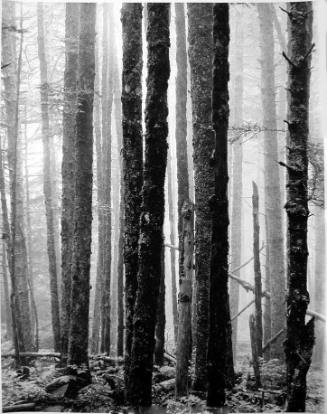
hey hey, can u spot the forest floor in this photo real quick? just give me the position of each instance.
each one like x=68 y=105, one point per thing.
x=105 y=394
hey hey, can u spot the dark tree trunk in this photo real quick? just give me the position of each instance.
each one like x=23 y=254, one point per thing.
x=185 y=213
x=132 y=159
x=80 y=287
x=159 y=349
x=47 y=183
x=273 y=207
x=237 y=180
x=17 y=256
x=151 y=222
x=219 y=299
x=200 y=54
x=67 y=168
x=299 y=336
x=98 y=150
x=107 y=99
x=257 y=269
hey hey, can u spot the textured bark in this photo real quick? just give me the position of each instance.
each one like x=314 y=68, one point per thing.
x=152 y=215
x=47 y=181
x=185 y=213
x=6 y=294
x=68 y=167
x=172 y=252
x=219 y=299
x=159 y=349
x=254 y=350
x=132 y=159
x=200 y=54
x=267 y=307
x=79 y=326
x=257 y=269
x=98 y=281
x=237 y=180
x=299 y=336
x=17 y=256
x=273 y=208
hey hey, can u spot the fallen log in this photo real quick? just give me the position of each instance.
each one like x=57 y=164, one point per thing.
x=166 y=386
x=33 y=355
x=20 y=407
x=170 y=246
x=169 y=358
x=242 y=310
x=272 y=340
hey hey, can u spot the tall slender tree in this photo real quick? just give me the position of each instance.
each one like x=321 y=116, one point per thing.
x=185 y=212
x=151 y=222
x=14 y=235
x=273 y=207
x=80 y=288
x=131 y=18
x=200 y=55
x=67 y=168
x=47 y=181
x=107 y=99
x=219 y=300
x=299 y=336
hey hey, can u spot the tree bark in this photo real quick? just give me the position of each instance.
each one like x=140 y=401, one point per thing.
x=6 y=294
x=151 y=222
x=107 y=99
x=98 y=150
x=47 y=182
x=185 y=213
x=200 y=55
x=273 y=208
x=80 y=288
x=159 y=349
x=17 y=256
x=132 y=159
x=219 y=299
x=299 y=336
x=257 y=269
x=68 y=167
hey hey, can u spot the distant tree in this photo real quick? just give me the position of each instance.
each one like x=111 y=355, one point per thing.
x=300 y=336
x=151 y=222
x=273 y=207
x=68 y=165
x=106 y=149
x=200 y=55
x=79 y=326
x=14 y=235
x=185 y=212
x=237 y=175
x=219 y=299
x=47 y=181
x=159 y=348
x=131 y=17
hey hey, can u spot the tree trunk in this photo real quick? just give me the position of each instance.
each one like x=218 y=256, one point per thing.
x=152 y=216
x=17 y=256
x=200 y=54
x=159 y=349
x=273 y=208
x=98 y=149
x=30 y=270
x=237 y=180
x=67 y=168
x=107 y=99
x=257 y=269
x=219 y=299
x=80 y=288
x=299 y=336
x=6 y=294
x=172 y=242
x=132 y=159
x=185 y=213
x=47 y=182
